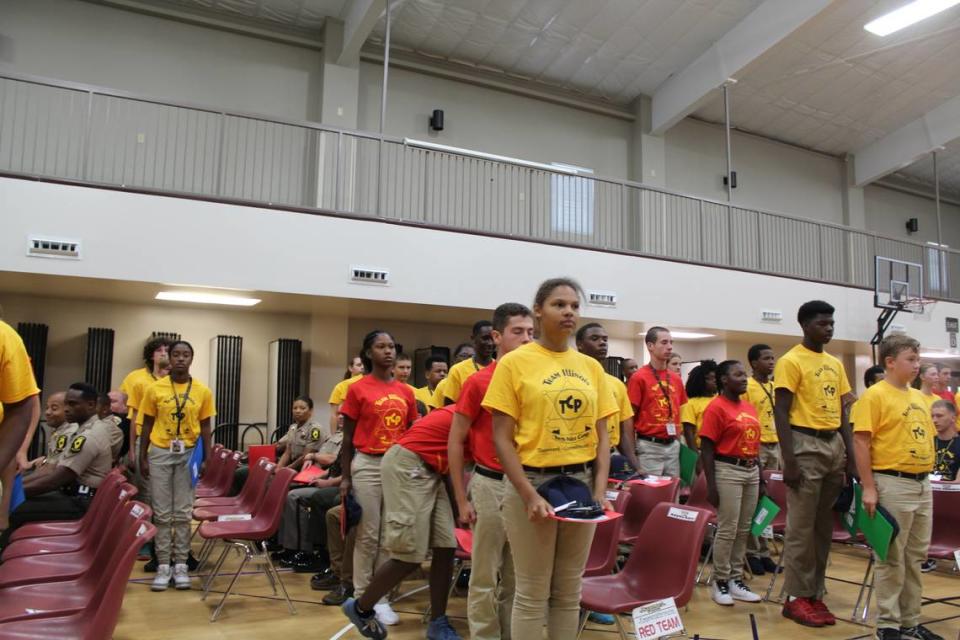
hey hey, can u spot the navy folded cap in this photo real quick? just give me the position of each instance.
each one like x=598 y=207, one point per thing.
x=845 y=499
x=620 y=469
x=351 y=511
x=562 y=490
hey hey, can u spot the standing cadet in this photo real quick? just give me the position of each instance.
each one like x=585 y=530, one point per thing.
x=354 y=372
x=435 y=371
x=812 y=392
x=64 y=490
x=19 y=402
x=176 y=412
x=464 y=351
x=492 y=584
x=701 y=389
x=593 y=340
x=894 y=436
x=483 y=352
x=657 y=396
x=630 y=367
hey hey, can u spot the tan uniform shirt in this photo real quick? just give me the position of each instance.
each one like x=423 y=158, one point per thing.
x=112 y=424
x=58 y=441
x=89 y=454
x=331 y=446
x=299 y=439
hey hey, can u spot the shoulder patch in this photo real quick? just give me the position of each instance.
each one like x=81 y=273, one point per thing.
x=77 y=445
x=61 y=443
x=315 y=433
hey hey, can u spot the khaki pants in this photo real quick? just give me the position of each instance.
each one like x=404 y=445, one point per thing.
x=549 y=558
x=770 y=460
x=738 y=488
x=417 y=515
x=172 y=503
x=368 y=492
x=659 y=459
x=142 y=484
x=810 y=513
x=341 y=549
x=492 y=580
x=898 y=580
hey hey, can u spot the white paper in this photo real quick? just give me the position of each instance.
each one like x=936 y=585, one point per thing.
x=682 y=514
x=234 y=517
x=657 y=619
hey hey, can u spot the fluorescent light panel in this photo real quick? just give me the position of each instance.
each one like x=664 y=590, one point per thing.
x=938 y=354
x=690 y=335
x=207 y=298
x=907 y=15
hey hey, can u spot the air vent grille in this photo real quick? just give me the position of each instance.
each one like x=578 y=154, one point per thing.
x=369 y=275
x=41 y=247
x=602 y=298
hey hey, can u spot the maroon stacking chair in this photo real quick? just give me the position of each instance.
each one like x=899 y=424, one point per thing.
x=663 y=564
x=86 y=537
x=605 y=545
x=59 y=567
x=219 y=481
x=110 y=487
x=45 y=599
x=95 y=620
x=256 y=482
x=643 y=498
x=249 y=537
x=776 y=491
x=945 y=538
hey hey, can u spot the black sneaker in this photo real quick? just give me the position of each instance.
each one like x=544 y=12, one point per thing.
x=887 y=634
x=305 y=562
x=151 y=566
x=324 y=581
x=192 y=563
x=463 y=580
x=756 y=565
x=367 y=624
x=928 y=565
x=770 y=566
x=918 y=632
x=339 y=595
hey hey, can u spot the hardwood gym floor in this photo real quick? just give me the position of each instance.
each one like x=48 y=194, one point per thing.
x=255 y=613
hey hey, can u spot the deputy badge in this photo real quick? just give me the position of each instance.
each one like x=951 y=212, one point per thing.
x=61 y=443
x=315 y=433
x=77 y=445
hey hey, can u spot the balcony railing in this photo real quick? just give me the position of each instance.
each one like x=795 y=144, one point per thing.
x=63 y=130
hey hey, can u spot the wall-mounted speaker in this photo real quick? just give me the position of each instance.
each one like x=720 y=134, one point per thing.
x=436 y=120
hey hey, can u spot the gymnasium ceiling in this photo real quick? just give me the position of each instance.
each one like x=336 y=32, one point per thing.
x=823 y=83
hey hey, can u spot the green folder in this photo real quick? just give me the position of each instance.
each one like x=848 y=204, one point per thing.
x=877 y=530
x=766 y=511
x=688 y=465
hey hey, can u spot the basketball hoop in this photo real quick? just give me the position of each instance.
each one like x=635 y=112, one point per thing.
x=917 y=305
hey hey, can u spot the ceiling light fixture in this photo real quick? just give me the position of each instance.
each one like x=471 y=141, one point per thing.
x=939 y=354
x=207 y=298
x=690 y=335
x=907 y=15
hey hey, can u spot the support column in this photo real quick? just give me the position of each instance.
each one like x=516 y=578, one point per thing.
x=647 y=162
x=340 y=99
x=859 y=258
x=854 y=209
x=328 y=355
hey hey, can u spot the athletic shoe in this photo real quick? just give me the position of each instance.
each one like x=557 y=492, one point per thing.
x=162 y=580
x=440 y=629
x=887 y=634
x=802 y=611
x=928 y=565
x=304 y=562
x=756 y=565
x=742 y=592
x=192 y=562
x=151 y=566
x=821 y=608
x=918 y=632
x=721 y=593
x=284 y=555
x=385 y=614
x=181 y=579
x=339 y=595
x=368 y=625
x=601 y=618
x=770 y=566
x=324 y=581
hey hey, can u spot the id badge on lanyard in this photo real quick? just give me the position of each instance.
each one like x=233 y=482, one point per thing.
x=671 y=426
x=177 y=445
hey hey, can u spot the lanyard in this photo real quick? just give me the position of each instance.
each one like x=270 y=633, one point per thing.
x=179 y=415
x=664 y=390
x=767 y=393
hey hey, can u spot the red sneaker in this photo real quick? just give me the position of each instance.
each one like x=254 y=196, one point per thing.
x=801 y=610
x=821 y=608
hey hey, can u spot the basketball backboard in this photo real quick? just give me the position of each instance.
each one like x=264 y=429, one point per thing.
x=897 y=284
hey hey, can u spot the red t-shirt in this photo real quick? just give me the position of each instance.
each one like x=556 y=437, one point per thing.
x=946 y=395
x=480 y=436
x=654 y=409
x=428 y=436
x=733 y=427
x=382 y=411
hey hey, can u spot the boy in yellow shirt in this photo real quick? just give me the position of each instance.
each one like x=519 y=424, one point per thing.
x=893 y=439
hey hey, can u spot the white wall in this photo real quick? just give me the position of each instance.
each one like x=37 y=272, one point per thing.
x=888 y=211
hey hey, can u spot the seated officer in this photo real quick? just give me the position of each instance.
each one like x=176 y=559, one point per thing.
x=59 y=428
x=64 y=491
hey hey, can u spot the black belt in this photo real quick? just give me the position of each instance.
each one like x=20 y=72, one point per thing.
x=902 y=474
x=641 y=436
x=372 y=455
x=823 y=434
x=488 y=473
x=563 y=468
x=740 y=462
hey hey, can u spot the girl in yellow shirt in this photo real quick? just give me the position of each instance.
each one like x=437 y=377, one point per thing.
x=701 y=390
x=926 y=382
x=550 y=406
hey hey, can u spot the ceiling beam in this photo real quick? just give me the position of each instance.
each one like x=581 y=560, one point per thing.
x=909 y=143
x=359 y=18
x=761 y=30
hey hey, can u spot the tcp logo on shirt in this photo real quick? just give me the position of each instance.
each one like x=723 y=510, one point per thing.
x=569 y=404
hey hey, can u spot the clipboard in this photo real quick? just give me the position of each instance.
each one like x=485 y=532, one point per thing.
x=688 y=465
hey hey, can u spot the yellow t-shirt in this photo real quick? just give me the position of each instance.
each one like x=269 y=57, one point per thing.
x=902 y=431
x=692 y=412
x=457 y=376
x=436 y=400
x=930 y=399
x=16 y=373
x=339 y=393
x=134 y=386
x=556 y=399
x=761 y=396
x=624 y=411
x=159 y=402
x=818 y=382
x=424 y=395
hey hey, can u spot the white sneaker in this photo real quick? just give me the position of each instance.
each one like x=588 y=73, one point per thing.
x=181 y=580
x=742 y=592
x=162 y=580
x=721 y=593
x=385 y=614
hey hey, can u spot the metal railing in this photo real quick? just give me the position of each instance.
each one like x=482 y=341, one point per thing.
x=75 y=132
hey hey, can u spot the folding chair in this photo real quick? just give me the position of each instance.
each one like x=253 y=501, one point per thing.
x=698 y=499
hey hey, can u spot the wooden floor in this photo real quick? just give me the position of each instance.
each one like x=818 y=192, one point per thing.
x=256 y=613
